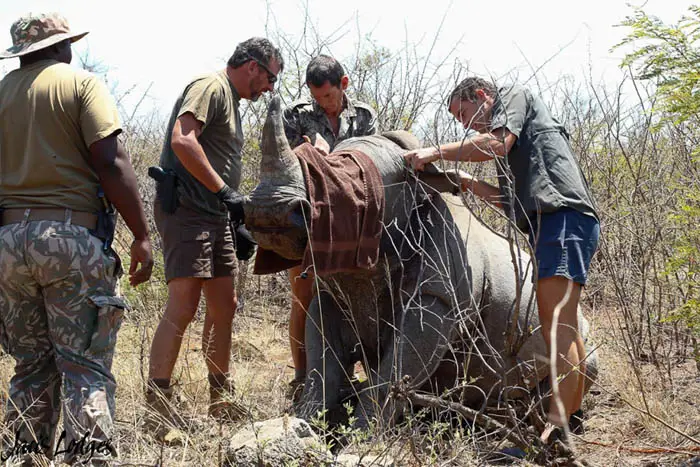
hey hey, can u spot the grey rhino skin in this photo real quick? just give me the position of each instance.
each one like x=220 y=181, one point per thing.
x=437 y=306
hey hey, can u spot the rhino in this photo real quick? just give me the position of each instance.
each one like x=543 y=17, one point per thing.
x=436 y=308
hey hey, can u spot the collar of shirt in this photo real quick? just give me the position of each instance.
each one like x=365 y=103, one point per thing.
x=347 y=112
x=236 y=96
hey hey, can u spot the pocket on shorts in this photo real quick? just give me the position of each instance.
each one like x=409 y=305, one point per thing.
x=196 y=252
x=194 y=234
x=110 y=314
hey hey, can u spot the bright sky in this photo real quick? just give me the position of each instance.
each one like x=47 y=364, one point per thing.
x=162 y=43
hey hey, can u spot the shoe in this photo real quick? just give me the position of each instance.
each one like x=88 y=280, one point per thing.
x=513 y=453
x=162 y=419
x=552 y=433
x=556 y=440
x=222 y=404
x=576 y=422
x=295 y=389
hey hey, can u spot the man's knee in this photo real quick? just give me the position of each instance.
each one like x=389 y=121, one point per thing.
x=557 y=291
x=183 y=299
x=302 y=293
x=220 y=294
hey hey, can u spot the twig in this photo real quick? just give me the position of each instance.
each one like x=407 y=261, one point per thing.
x=399 y=390
x=658 y=450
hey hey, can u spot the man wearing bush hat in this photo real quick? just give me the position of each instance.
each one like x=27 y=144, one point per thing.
x=63 y=172
x=33 y=33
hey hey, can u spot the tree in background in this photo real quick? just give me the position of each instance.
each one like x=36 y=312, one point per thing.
x=669 y=56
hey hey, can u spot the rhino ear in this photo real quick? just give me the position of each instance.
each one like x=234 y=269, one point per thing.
x=403 y=138
x=277 y=156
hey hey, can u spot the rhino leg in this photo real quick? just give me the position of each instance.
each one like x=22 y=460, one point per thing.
x=590 y=346
x=414 y=349
x=330 y=357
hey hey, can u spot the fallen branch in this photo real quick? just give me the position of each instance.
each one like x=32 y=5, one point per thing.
x=401 y=391
x=658 y=450
x=472 y=415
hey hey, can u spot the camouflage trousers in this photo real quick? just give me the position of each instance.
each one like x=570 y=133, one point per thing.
x=59 y=317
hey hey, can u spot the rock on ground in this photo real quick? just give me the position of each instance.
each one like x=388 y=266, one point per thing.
x=273 y=443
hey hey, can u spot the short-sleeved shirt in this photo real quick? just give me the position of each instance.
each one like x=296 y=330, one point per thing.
x=546 y=175
x=214 y=102
x=50 y=114
x=306 y=118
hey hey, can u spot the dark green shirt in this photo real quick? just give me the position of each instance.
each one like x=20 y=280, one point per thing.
x=306 y=117
x=545 y=174
x=214 y=102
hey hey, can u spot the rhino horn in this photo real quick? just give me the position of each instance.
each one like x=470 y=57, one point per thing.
x=278 y=160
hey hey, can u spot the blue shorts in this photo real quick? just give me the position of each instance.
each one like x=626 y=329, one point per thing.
x=566 y=240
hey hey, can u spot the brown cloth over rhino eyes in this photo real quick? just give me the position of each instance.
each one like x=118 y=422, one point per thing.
x=347 y=208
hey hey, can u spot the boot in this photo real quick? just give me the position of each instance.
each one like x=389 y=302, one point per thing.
x=222 y=405
x=295 y=388
x=162 y=419
x=576 y=422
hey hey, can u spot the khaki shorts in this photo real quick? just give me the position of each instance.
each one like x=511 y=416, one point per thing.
x=195 y=244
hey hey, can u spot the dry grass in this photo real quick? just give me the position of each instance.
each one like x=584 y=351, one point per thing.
x=260 y=360
x=623 y=429
x=262 y=365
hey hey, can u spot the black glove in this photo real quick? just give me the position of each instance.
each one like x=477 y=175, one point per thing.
x=234 y=203
x=245 y=243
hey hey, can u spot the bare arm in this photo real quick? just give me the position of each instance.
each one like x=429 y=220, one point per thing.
x=479 y=148
x=190 y=153
x=481 y=189
x=118 y=180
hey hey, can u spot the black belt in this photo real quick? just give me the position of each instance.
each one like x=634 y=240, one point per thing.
x=17 y=215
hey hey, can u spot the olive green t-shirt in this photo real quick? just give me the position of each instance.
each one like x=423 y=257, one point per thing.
x=545 y=173
x=50 y=114
x=214 y=102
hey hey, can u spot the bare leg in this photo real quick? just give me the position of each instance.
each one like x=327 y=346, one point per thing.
x=569 y=345
x=221 y=307
x=183 y=298
x=302 y=293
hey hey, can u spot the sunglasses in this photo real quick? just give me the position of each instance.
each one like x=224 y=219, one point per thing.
x=271 y=77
